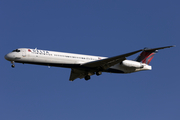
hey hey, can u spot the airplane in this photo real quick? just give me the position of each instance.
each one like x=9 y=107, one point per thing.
x=83 y=66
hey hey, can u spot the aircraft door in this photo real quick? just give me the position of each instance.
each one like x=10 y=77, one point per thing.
x=24 y=53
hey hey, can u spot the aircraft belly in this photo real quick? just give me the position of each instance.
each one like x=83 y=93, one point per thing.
x=48 y=61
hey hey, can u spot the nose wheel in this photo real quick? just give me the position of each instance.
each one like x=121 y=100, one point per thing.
x=12 y=64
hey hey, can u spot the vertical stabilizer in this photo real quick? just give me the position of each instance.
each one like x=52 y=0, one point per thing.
x=146 y=56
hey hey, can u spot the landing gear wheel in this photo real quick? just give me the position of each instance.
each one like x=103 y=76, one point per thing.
x=12 y=66
x=98 y=73
x=87 y=77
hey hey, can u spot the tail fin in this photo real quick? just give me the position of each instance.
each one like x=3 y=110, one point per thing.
x=146 y=56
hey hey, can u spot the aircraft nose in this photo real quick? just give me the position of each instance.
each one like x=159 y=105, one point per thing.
x=8 y=56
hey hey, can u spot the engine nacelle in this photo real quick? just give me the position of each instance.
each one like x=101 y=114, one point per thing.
x=131 y=64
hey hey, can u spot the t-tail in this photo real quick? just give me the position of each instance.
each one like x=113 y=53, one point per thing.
x=147 y=55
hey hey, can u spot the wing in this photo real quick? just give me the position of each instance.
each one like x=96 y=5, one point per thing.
x=108 y=62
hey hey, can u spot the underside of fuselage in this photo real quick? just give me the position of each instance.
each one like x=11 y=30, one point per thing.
x=73 y=66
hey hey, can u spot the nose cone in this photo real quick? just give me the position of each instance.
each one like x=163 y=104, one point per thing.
x=8 y=56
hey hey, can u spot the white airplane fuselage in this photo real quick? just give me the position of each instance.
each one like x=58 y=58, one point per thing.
x=83 y=66
x=69 y=60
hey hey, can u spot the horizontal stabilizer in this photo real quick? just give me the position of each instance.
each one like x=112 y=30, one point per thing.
x=147 y=55
x=154 y=49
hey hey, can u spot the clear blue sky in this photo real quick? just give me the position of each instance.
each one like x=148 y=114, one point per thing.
x=105 y=28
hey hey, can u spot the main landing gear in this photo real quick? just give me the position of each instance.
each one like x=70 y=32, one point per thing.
x=98 y=73
x=88 y=77
x=12 y=64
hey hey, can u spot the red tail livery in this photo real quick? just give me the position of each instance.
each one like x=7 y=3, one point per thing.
x=146 y=56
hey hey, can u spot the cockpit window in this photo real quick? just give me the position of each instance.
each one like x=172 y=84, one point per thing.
x=16 y=50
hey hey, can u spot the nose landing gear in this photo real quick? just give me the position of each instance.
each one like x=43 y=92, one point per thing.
x=12 y=64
